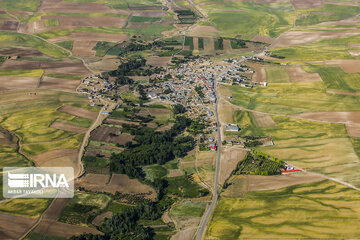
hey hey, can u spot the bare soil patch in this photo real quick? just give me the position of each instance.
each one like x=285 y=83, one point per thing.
x=165 y=127
x=79 y=112
x=294 y=38
x=84 y=48
x=203 y=31
x=57 y=158
x=347 y=65
x=120 y=122
x=262 y=183
x=7 y=82
x=175 y=173
x=297 y=74
x=107 y=63
x=353 y=130
x=76 y=68
x=229 y=159
x=110 y=135
x=54 y=211
x=334 y=117
x=20 y=52
x=100 y=219
x=62 y=84
x=62 y=229
x=186 y=234
x=13 y=227
x=263 y=120
x=68 y=7
x=263 y=39
x=260 y=73
x=354 y=53
x=158 y=61
x=301 y=4
x=67 y=127
x=118 y=183
x=9 y=25
x=343 y=93
x=155 y=13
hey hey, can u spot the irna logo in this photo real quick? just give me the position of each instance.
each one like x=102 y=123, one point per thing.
x=38 y=182
x=18 y=180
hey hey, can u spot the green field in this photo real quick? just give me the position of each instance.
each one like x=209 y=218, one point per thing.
x=71 y=77
x=290 y=98
x=219 y=44
x=20 y=5
x=189 y=41
x=329 y=12
x=66 y=44
x=83 y=208
x=336 y=79
x=101 y=48
x=18 y=40
x=253 y=19
x=26 y=206
x=188 y=209
x=153 y=172
x=51 y=22
x=322 y=210
x=31 y=120
x=277 y=75
x=21 y=73
x=201 y=43
x=326 y=49
x=184 y=187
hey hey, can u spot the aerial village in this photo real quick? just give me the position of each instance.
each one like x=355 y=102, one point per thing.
x=191 y=84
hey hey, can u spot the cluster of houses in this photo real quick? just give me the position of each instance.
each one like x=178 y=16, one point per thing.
x=98 y=88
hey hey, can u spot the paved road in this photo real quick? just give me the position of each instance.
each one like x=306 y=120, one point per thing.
x=205 y=220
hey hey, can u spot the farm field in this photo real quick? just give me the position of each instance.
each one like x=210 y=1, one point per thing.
x=317 y=206
x=267 y=19
x=290 y=98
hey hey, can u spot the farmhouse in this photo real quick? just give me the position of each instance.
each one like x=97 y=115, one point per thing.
x=231 y=127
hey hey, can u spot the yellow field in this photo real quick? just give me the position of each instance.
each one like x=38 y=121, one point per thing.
x=318 y=210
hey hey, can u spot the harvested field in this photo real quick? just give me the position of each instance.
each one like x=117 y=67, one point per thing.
x=209 y=45
x=9 y=25
x=260 y=73
x=354 y=53
x=84 y=48
x=294 y=38
x=66 y=66
x=20 y=52
x=165 y=127
x=118 y=183
x=333 y=117
x=302 y=4
x=262 y=183
x=186 y=234
x=343 y=93
x=348 y=66
x=353 y=130
x=100 y=219
x=297 y=74
x=263 y=39
x=263 y=120
x=57 y=158
x=105 y=64
x=62 y=84
x=203 y=31
x=227 y=46
x=7 y=82
x=68 y=7
x=120 y=122
x=175 y=173
x=67 y=21
x=79 y=112
x=156 y=13
x=110 y=135
x=67 y=127
x=13 y=227
x=158 y=61
x=229 y=159
x=63 y=229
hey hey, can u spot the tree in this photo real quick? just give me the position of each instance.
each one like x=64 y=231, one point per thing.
x=178 y=109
